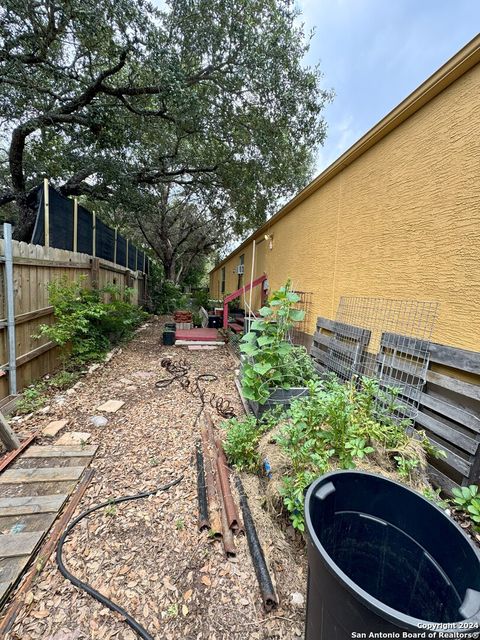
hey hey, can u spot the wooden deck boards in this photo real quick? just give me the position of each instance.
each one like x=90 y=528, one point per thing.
x=34 y=489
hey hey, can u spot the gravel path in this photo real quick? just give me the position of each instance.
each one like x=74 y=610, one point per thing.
x=148 y=555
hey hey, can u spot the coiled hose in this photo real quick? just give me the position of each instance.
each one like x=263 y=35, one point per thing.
x=179 y=371
x=113 y=606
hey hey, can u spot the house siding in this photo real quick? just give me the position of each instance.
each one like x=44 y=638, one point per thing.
x=401 y=221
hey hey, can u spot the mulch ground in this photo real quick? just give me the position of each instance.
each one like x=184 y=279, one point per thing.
x=148 y=555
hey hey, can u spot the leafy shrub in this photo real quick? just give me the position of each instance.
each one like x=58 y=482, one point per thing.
x=467 y=500
x=32 y=398
x=272 y=361
x=242 y=437
x=241 y=442
x=84 y=326
x=338 y=425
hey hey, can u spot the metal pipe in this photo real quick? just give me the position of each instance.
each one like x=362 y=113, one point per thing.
x=203 y=522
x=224 y=478
x=213 y=506
x=10 y=296
x=269 y=596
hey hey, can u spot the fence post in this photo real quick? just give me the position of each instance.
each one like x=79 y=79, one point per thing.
x=126 y=255
x=95 y=273
x=94 y=235
x=115 y=247
x=46 y=213
x=75 y=223
x=10 y=299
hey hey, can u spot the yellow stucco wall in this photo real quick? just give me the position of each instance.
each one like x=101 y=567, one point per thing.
x=402 y=221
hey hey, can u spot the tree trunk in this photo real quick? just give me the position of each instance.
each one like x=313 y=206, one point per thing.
x=23 y=229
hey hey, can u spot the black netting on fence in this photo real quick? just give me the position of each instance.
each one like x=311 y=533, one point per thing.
x=61 y=228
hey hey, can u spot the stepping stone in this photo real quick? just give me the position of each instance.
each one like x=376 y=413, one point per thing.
x=111 y=406
x=54 y=427
x=74 y=437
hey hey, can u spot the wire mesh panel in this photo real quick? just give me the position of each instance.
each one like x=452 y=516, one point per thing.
x=299 y=333
x=385 y=339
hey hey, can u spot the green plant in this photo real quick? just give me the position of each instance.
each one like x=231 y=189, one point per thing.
x=337 y=425
x=180 y=524
x=241 y=440
x=434 y=496
x=468 y=500
x=63 y=379
x=271 y=360
x=32 y=398
x=85 y=326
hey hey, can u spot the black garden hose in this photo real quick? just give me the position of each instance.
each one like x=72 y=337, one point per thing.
x=136 y=626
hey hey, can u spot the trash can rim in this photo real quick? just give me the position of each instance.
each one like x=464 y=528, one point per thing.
x=366 y=598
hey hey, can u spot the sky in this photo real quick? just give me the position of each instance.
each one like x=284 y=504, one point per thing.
x=374 y=53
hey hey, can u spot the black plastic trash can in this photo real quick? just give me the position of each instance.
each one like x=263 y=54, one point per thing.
x=383 y=559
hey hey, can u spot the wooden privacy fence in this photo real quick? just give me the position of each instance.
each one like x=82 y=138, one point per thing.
x=34 y=267
x=448 y=403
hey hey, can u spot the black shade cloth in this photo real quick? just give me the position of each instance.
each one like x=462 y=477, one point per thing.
x=61 y=219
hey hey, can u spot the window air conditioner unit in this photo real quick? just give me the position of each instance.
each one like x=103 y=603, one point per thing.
x=240 y=269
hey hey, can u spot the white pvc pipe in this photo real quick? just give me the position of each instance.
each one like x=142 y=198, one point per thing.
x=251 y=281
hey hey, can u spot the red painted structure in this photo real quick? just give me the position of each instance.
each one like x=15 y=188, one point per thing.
x=237 y=294
x=195 y=335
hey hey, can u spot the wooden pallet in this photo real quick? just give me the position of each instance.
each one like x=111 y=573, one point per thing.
x=34 y=489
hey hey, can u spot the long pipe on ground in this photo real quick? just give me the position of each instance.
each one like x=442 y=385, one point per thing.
x=224 y=478
x=203 y=522
x=213 y=504
x=269 y=596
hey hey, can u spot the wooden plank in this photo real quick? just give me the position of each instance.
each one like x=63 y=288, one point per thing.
x=325 y=323
x=404 y=344
x=30 y=315
x=31 y=504
x=448 y=433
x=454 y=384
x=17 y=490
x=415 y=370
x=21 y=360
x=454 y=357
x=19 y=544
x=10 y=571
x=48 y=474
x=57 y=451
x=26 y=523
x=452 y=459
x=34 y=262
x=462 y=416
x=440 y=480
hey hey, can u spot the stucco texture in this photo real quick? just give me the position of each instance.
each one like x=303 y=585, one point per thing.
x=402 y=221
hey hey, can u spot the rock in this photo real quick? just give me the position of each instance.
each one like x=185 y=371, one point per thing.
x=297 y=599
x=98 y=421
x=93 y=367
x=60 y=400
x=126 y=381
x=45 y=410
x=74 y=437
x=111 y=406
x=71 y=391
x=54 y=427
x=131 y=388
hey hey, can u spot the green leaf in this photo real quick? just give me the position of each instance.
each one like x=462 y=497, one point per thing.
x=265 y=312
x=264 y=340
x=248 y=349
x=297 y=315
x=262 y=368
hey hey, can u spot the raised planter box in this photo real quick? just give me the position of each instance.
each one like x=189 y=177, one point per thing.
x=278 y=397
